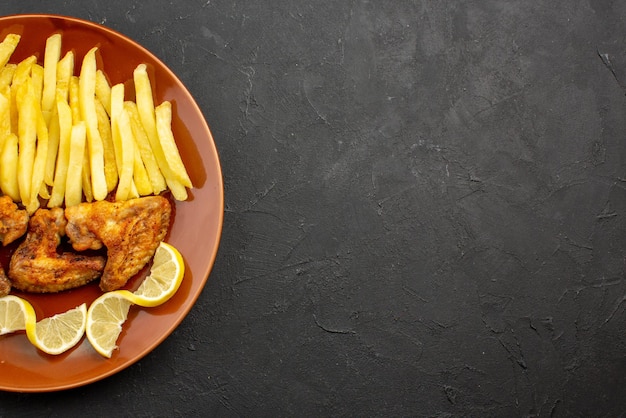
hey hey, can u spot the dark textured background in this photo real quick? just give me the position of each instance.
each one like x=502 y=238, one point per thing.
x=425 y=210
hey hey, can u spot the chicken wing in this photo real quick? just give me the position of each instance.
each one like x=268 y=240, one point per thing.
x=13 y=221
x=36 y=266
x=131 y=232
x=5 y=284
x=13 y=224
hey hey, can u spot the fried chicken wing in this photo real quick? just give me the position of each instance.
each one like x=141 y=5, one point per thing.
x=131 y=231
x=13 y=221
x=5 y=284
x=36 y=266
x=13 y=224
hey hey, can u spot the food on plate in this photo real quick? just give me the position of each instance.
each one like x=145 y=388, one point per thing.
x=103 y=321
x=166 y=275
x=13 y=221
x=36 y=265
x=15 y=312
x=105 y=318
x=87 y=164
x=5 y=284
x=58 y=333
x=107 y=313
x=157 y=124
x=131 y=232
x=53 y=335
x=7 y=46
x=55 y=125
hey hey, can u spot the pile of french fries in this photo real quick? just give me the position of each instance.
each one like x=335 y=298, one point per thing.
x=67 y=138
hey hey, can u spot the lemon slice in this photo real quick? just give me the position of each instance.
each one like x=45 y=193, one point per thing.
x=104 y=321
x=107 y=313
x=15 y=313
x=166 y=275
x=58 y=333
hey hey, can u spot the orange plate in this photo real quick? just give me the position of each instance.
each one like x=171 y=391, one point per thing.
x=195 y=230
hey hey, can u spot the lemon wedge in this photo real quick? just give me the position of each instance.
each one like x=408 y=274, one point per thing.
x=166 y=275
x=104 y=321
x=15 y=313
x=58 y=333
x=107 y=313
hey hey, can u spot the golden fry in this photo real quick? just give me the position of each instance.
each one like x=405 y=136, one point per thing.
x=7 y=47
x=5 y=115
x=54 y=136
x=86 y=175
x=19 y=86
x=128 y=154
x=163 y=114
x=65 y=70
x=140 y=174
x=6 y=75
x=73 y=184
x=8 y=167
x=103 y=91
x=87 y=102
x=117 y=104
x=64 y=119
x=145 y=108
x=110 y=165
x=27 y=128
x=52 y=55
x=157 y=181
x=73 y=94
x=39 y=164
x=36 y=78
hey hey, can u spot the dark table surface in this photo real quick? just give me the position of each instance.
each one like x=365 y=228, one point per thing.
x=425 y=210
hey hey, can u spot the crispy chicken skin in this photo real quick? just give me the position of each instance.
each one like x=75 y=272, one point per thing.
x=36 y=266
x=5 y=284
x=13 y=224
x=13 y=221
x=131 y=232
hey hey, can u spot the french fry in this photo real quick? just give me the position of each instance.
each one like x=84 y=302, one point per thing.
x=128 y=155
x=163 y=114
x=103 y=91
x=8 y=168
x=39 y=164
x=19 y=85
x=22 y=72
x=157 y=181
x=74 y=99
x=73 y=184
x=87 y=97
x=145 y=108
x=52 y=54
x=36 y=78
x=64 y=119
x=87 y=190
x=65 y=70
x=117 y=105
x=6 y=74
x=7 y=47
x=74 y=96
x=110 y=165
x=5 y=114
x=54 y=137
x=140 y=174
x=27 y=128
